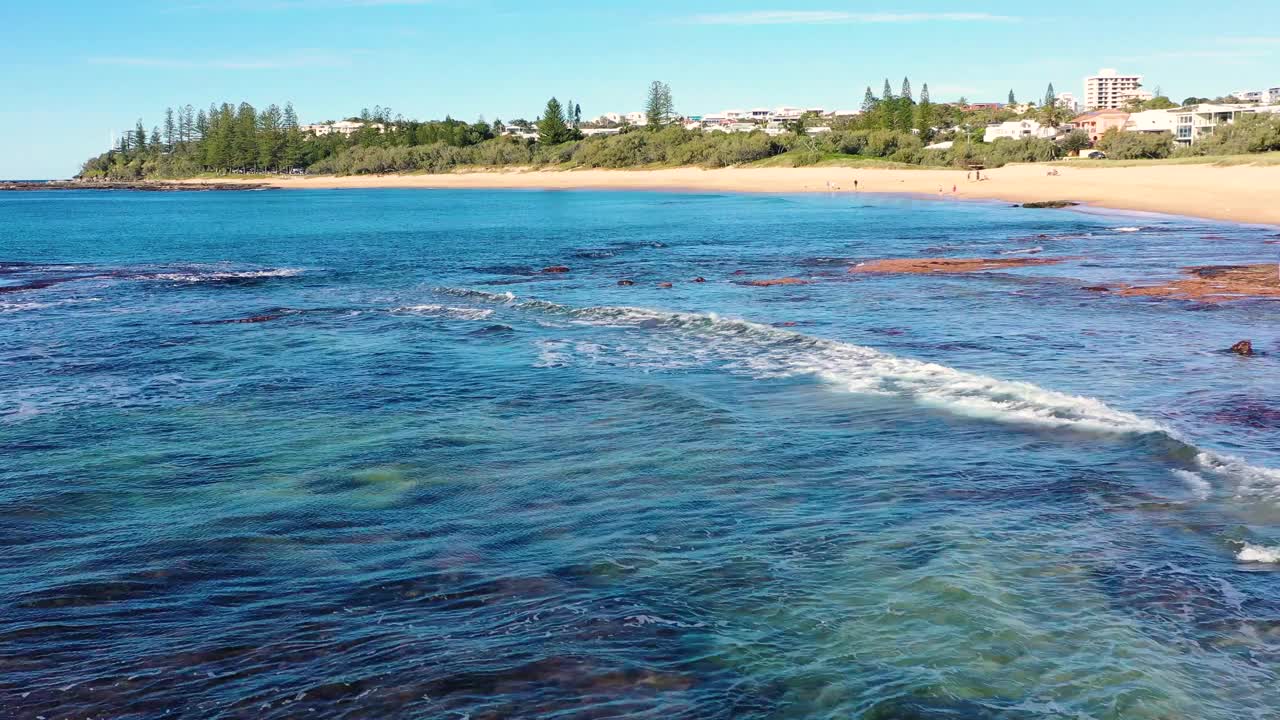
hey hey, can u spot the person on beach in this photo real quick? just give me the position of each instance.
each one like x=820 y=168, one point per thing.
x=855 y=185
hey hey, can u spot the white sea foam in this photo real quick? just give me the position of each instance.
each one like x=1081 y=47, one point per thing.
x=1130 y=229
x=1195 y=482
x=765 y=351
x=217 y=275
x=1027 y=251
x=27 y=306
x=457 y=313
x=1258 y=554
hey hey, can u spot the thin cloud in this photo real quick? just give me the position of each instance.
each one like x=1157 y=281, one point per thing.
x=1196 y=55
x=830 y=17
x=286 y=62
x=1250 y=40
x=240 y=5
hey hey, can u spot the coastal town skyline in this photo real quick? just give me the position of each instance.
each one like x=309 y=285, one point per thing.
x=405 y=54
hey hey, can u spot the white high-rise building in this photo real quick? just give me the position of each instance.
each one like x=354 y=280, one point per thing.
x=1068 y=101
x=1109 y=90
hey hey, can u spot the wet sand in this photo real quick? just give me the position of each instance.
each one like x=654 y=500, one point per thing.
x=1240 y=193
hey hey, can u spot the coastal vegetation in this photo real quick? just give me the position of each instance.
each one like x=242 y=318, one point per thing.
x=898 y=128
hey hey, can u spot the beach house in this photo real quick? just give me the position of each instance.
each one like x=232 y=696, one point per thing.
x=1097 y=122
x=1152 y=121
x=1018 y=130
x=1195 y=122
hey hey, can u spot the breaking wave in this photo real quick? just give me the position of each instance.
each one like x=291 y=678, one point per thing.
x=1258 y=554
x=457 y=313
x=765 y=351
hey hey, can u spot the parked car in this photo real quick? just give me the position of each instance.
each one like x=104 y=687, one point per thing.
x=1094 y=155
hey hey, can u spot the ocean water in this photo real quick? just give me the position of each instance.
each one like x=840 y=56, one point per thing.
x=351 y=454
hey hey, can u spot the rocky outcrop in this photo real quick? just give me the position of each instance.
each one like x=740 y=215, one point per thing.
x=555 y=269
x=1244 y=347
x=1053 y=204
x=626 y=283
x=1217 y=283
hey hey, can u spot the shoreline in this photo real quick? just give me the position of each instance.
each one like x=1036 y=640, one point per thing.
x=1238 y=193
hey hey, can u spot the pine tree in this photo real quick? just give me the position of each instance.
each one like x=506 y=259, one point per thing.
x=186 y=124
x=170 y=129
x=552 y=128
x=924 y=113
x=906 y=89
x=1050 y=97
x=659 y=108
x=199 y=129
x=1013 y=100
x=290 y=117
x=140 y=136
x=155 y=137
x=577 y=115
x=868 y=101
x=888 y=91
x=271 y=138
x=246 y=137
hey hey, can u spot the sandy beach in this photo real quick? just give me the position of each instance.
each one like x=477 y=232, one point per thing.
x=1239 y=193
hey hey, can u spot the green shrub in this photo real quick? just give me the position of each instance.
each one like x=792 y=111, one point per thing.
x=1122 y=145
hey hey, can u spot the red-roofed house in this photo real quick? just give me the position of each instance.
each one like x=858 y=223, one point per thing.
x=1099 y=121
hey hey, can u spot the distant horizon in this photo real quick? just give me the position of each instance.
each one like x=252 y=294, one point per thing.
x=503 y=59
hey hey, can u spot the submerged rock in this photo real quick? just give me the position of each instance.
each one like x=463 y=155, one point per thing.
x=626 y=283
x=1096 y=288
x=664 y=285
x=946 y=265
x=778 y=281
x=1244 y=347
x=555 y=269
x=699 y=279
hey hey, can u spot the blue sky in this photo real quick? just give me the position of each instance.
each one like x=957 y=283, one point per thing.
x=74 y=70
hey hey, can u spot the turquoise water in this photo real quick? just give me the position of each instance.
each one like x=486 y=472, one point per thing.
x=428 y=480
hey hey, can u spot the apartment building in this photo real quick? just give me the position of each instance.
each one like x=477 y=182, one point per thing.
x=1110 y=90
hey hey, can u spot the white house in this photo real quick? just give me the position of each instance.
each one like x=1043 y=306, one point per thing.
x=610 y=117
x=1270 y=96
x=1196 y=122
x=735 y=127
x=590 y=132
x=1068 y=101
x=1153 y=121
x=341 y=127
x=1017 y=130
x=636 y=118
